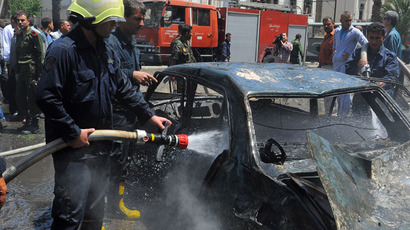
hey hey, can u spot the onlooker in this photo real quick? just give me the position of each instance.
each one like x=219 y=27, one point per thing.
x=393 y=38
x=345 y=41
x=3 y=186
x=64 y=27
x=326 y=52
x=383 y=62
x=74 y=107
x=181 y=51
x=3 y=72
x=282 y=49
x=48 y=26
x=8 y=33
x=11 y=67
x=10 y=83
x=28 y=70
x=326 y=47
x=123 y=43
x=297 y=50
x=226 y=48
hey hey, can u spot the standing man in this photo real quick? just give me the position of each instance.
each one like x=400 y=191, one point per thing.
x=326 y=52
x=123 y=43
x=326 y=47
x=226 y=48
x=48 y=26
x=181 y=51
x=64 y=27
x=7 y=35
x=393 y=38
x=383 y=62
x=345 y=41
x=282 y=49
x=297 y=50
x=81 y=75
x=28 y=70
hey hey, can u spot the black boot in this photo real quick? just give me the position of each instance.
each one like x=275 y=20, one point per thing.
x=31 y=128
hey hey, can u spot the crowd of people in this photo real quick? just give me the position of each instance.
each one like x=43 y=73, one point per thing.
x=90 y=78
x=341 y=49
x=22 y=48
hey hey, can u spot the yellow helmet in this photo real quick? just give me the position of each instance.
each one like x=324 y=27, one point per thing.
x=102 y=10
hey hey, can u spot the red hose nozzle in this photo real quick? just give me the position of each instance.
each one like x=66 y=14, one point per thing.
x=183 y=141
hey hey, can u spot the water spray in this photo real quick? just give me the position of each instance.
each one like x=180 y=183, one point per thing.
x=139 y=136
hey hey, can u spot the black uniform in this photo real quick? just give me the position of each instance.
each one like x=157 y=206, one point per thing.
x=74 y=93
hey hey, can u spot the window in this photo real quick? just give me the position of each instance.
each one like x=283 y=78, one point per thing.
x=200 y=17
x=190 y=105
x=174 y=15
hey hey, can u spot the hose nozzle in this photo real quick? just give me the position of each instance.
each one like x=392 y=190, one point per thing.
x=177 y=140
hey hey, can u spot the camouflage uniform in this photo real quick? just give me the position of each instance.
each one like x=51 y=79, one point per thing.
x=28 y=72
x=181 y=51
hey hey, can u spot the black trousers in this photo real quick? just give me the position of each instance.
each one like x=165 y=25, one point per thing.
x=81 y=181
x=120 y=157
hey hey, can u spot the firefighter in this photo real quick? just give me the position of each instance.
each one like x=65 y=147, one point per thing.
x=81 y=74
x=29 y=50
x=123 y=43
x=181 y=51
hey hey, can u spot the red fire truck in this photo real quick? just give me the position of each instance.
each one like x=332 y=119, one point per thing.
x=253 y=31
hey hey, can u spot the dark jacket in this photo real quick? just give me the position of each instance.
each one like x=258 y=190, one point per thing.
x=226 y=50
x=77 y=84
x=127 y=52
x=383 y=64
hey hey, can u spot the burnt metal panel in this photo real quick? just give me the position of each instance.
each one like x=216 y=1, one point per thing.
x=368 y=193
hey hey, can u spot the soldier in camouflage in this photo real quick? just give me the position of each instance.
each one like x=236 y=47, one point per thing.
x=28 y=71
x=181 y=51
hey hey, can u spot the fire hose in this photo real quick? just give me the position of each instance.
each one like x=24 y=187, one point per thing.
x=140 y=136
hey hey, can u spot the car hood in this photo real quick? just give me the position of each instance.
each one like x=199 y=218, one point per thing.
x=366 y=190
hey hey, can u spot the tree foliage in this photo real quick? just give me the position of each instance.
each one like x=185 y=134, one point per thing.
x=402 y=7
x=32 y=7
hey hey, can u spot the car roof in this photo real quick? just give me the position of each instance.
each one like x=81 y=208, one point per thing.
x=273 y=78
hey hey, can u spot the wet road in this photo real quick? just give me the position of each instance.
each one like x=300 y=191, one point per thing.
x=29 y=197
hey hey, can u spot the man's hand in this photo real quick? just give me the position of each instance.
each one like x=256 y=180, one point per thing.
x=156 y=120
x=381 y=84
x=3 y=190
x=82 y=140
x=361 y=63
x=143 y=78
x=345 y=55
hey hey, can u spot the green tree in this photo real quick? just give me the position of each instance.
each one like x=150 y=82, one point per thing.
x=32 y=7
x=402 y=7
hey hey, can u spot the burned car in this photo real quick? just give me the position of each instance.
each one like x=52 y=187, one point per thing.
x=267 y=150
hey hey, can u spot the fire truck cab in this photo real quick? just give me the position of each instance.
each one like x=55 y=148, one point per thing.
x=161 y=27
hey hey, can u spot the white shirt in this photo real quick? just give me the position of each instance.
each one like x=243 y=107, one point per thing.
x=8 y=33
x=345 y=42
x=56 y=35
